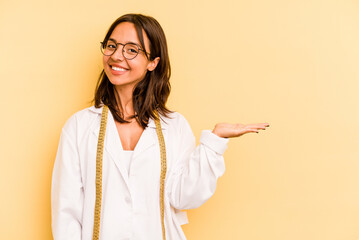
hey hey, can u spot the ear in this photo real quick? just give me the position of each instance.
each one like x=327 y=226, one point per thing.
x=153 y=64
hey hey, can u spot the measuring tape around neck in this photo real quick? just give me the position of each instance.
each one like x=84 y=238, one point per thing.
x=99 y=157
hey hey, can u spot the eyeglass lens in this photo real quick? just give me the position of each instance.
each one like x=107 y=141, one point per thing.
x=129 y=50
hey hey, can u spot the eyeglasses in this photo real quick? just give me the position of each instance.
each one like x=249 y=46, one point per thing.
x=129 y=50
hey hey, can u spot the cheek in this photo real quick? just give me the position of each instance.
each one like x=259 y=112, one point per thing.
x=140 y=70
x=140 y=66
x=104 y=60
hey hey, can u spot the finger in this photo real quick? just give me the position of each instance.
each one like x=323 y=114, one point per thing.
x=255 y=126
x=252 y=130
x=259 y=125
x=256 y=129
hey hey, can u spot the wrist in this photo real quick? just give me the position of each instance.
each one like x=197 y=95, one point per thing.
x=216 y=132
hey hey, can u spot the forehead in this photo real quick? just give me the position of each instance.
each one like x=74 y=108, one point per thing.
x=126 y=32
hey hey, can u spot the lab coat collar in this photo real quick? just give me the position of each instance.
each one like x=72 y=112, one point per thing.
x=151 y=122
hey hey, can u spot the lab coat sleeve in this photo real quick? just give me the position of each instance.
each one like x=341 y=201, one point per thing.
x=66 y=191
x=193 y=179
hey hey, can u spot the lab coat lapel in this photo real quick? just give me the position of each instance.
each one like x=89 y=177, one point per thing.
x=112 y=144
x=147 y=140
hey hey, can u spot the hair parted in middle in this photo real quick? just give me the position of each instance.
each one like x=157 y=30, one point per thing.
x=152 y=92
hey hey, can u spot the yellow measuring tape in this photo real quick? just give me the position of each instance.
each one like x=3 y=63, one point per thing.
x=99 y=157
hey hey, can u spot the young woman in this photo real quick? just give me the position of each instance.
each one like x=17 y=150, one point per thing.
x=134 y=184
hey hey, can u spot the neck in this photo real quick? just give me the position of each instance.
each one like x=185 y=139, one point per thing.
x=126 y=104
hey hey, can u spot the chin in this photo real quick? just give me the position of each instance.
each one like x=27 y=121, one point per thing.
x=119 y=82
x=123 y=83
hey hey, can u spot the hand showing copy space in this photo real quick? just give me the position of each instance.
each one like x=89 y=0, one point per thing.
x=228 y=130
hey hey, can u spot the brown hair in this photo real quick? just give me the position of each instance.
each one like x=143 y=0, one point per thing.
x=152 y=92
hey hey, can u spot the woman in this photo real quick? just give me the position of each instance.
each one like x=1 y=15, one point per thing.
x=139 y=149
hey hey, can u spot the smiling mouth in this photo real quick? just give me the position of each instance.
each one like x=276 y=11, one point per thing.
x=118 y=69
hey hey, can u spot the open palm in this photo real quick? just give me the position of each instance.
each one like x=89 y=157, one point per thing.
x=228 y=130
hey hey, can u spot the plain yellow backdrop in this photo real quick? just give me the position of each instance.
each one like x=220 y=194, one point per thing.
x=291 y=63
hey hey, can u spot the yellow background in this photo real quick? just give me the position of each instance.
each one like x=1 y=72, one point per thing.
x=293 y=64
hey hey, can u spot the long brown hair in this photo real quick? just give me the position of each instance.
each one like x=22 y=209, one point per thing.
x=152 y=92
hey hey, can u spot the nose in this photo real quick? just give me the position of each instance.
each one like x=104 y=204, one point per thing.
x=118 y=54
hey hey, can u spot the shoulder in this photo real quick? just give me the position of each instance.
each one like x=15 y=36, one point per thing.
x=175 y=121
x=81 y=119
x=175 y=117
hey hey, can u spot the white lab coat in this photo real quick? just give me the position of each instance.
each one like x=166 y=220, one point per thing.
x=131 y=201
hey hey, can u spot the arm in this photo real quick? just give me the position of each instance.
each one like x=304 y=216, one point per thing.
x=66 y=191
x=194 y=177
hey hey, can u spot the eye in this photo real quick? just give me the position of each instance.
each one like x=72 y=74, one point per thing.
x=131 y=49
x=111 y=46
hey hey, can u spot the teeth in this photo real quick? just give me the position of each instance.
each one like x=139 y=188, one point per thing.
x=118 y=69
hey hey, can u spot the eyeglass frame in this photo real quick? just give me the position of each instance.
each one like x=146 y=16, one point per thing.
x=123 y=46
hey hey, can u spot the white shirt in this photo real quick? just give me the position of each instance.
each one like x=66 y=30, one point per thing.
x=130 y=199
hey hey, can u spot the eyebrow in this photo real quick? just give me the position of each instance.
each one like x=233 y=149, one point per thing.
x=125 y=42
